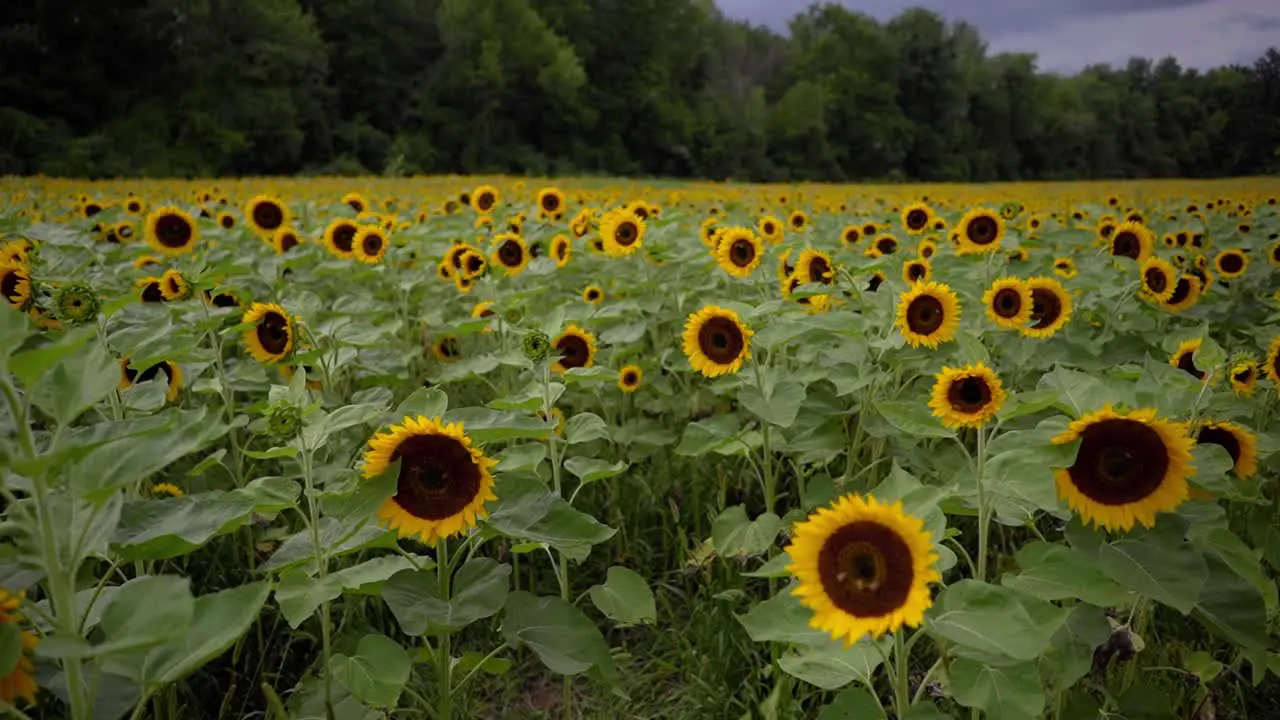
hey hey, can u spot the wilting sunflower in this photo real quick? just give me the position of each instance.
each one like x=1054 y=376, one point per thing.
x=629 y=378
x=1239 y=442
x=172 y=374
x=798 y=221
x=980 y=231
x=443 y=481
x=171 y=231
x=355 y=201
x=814 y=266
x=1231 y=263
x=863 y=567
x=967 y=397
x=1128 y=467
x=622 y=232
x=914 y=271
x=927 y=248
x=1184 y=358
x=593 y=294
x=1159 y=279
x=266 y=214
x=511 y=252
x=1186 y=292
x=551 y=201
x=561 y=250
x=928 y=314
x=174 y=286
x=716 y=342
x=271 y=338
x=1132 y=240
x=1050 y=307
x=20 y=682
x=739 y=252
x=446 y=348
x=771 y=229
x=1064 y=267
x=369 y=244
x=15 y=285
x=340 y=237
x=575 y=347
x=1244 y=377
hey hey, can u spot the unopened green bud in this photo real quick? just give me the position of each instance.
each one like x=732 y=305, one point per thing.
x=537 y=346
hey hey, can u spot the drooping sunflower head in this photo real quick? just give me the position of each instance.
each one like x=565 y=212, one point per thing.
x=482 y=310
x=573 y=348
x=916 y=218
x=716 y=341
x=739 y=252
x=561 y=250
x=622 y=232
x=370 y=244
x=171 y=231
x=1128 y=467
x=1231 y=263
x=928 y=314
x=980 y=231
x=174 y=286
x=1051 y=307
x=967 y=397
x=1244 y=376
x=149 y=289
x=511 y=252
x=593 y=294
x=1131 y=240
x=1159 y=279
x=266 y=214
x=443 y=481
x=863 y=567
x=1184 y=358
x=1239 y=442
x=15 y=285
x=270 y=339
x=914 y=271
x=340 y=237
x=1186 y=293
x=550 y=201
x=1064 y=267
x=629 y=378
x=814 y=266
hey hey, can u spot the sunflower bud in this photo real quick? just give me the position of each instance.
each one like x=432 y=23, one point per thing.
x=537 y=346
x=76 y=304
x=284 y=420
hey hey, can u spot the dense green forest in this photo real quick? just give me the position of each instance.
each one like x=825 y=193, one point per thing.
x=618 y=87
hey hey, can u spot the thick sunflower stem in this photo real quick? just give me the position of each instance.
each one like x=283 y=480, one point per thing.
x=901 y=680
x=984 y=521
x=770 y=482
x=444 y=659
x=563 y=561
x=322 y=570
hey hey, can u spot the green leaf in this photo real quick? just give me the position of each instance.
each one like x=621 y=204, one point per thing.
x=1056 y=572
x=75 y=384
x=14 y=331
x=585 y=427
x=1081 y=391
x=995 y=620
x=171 y=527
x=1029 y=403
x=427 y=402
x=777 y=407
x=775 y=567
x=1070 y=654
x=145 y=612
x=912 y=418
x=471 y=660
x=368 y=577
x=589 y=470
x=298 y=596
x=1232 y=607
x=624 y=598
x=1005 y=693
x=831 y=665
x=526 y=510
x=479 y=590
x=136 y=457
x=10 y=647
x=587 y=376
x=782 y=618
x=1159 y=566
x=566 y=641
x=733 y=535
x=30 y=365
x=321 y=426
x=483 y=425
x=1203 y=666
x=855 y=703
x=521 y=458
x=376 y=674
x=285 y=451
x=340 y=538
x=704 y=436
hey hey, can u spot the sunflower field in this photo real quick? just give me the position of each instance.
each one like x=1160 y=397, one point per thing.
x=494 y=447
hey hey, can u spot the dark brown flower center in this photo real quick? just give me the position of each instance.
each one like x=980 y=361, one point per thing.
x=917 y=270
x=173 y=231
x=510 y=254
x=969 y=394
x=151 y=292
x=1120 y=461
x=438 y=477
x=742 y=252
x=1227 y=440
x=550 y=202
x=371 y=244
x=1156 y=279
x=925 y=315
x=1007 y=302
x=288 y=241
x=721 y=340
x=1182 y=291
x=268 y=215
x=273 y=333
x=1187 y=364
x=866 y=569
x=574 y=351
x=626 y=233
x=9 y=285
x=887 y=245
x=820 y=270
x=982 y=230
x=1231 y=262
x=1126 y=244
x=917 y=219
x=1046 y=308
x=344 y=235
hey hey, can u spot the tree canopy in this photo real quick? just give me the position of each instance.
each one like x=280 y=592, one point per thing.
x=617 y=87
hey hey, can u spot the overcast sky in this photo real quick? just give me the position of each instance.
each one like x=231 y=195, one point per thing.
x=1070 y=34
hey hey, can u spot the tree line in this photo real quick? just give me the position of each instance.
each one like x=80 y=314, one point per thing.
x=181 y=88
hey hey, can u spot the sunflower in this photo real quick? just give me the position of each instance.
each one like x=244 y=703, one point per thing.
x=798 y=221
x=150 y=289
x=174 y=286
x=369 y=244
x=980 y=231
x=785 y=270
x=739 y=252
x=171 y=231
x=172 y=373
x=1237 y=440
x=482 y=309
x=1132 y=240
x=916 y=218
x=1273 y=254
x=1244 y=377
x=484 y=199
x=916 y=271
x=1231 y=263
x=446 y=349
x=575 y=347
x=928 y=314
x=927 y=248
x=875 y=281
x=580 y=225
x=511 y=252
x=870 y=229
x=340 y=237
x=593 y=294
x=285 y=239
x=1186 y=292
x=967 y=397
x=15 y=252
x=556 y=413
x=550 y=201
x=443 y=482
x=473 y=264
x=227 y=220
x=622 y=232
x=1019 y=255
x=266 y=214
x=20 y=682
x=884 y=245
x=561 y=250
x=124 y=231
x=1128 y=467
x=850 y=235
x=1064 y=267
x=355 y=201
x=271 y=338
x=1159 y=279
x=134 y=206
x=287 y=371
x=15 y=285
x=1271 y=366
x=716 y=342
x=814 y=266
x=629 y=378
x=463 y=283
x=164 y=489
x=863 y=567
x=1184 y=358
x=772 y=231
x=1050 y=307
x=221 y=298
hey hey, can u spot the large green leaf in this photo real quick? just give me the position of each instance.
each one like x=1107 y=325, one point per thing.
x=479 y=590
x=1232 y=607
x=339 y=538
x=1008 y=692
x=913 y=418
x=1056 y=572
x=734 y=535
x=376 y=674
x=526 y=510
x=782 y=618
x=562 y=637
x=75 y=384
x=778 y=407
x=995 y=620
x=118 y=464
x=170 y=527
x=1159 y=565
x=855 y=703
x=1070 y=653
x=483 y=425
x=624 y=598
x=831 y=665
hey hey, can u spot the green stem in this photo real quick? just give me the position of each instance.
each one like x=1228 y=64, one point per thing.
x=983 y=520
x=770 y=481
x=563 y=574
x=322 y=570
x=444 y=660
x=901 y=684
